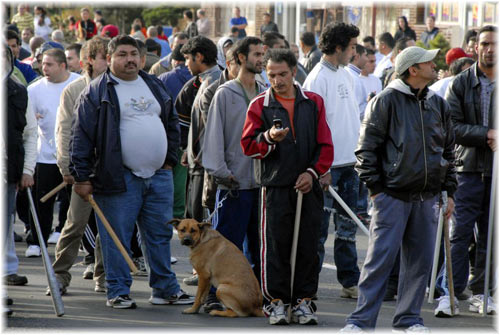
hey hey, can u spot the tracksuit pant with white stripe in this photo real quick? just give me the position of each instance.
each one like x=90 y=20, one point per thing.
x=277 y=217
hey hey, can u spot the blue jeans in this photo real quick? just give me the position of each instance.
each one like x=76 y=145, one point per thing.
x=11 y=264
x=345 y=256
x=148 y=202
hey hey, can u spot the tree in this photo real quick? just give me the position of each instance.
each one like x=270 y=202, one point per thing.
x=164 y=15
x=439 y=42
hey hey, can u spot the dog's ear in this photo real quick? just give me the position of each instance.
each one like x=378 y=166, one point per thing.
x=174 y=222
x=202 y=225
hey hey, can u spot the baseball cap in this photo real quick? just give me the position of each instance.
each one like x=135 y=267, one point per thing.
x=47 y=46
x=111 y=31
x=411 y=56
x=454 y=54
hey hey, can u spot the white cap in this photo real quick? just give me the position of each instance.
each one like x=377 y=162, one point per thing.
x=411 y=56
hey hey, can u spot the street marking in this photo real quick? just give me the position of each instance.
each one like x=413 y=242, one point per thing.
x=329 y=266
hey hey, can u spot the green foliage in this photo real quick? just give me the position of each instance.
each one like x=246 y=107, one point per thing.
x=164 y=15
x=440 y=42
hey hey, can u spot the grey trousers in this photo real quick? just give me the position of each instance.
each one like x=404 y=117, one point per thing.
x=69 y=242
x=411 y=226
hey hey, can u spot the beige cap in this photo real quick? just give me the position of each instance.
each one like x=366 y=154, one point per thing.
x=411 y=56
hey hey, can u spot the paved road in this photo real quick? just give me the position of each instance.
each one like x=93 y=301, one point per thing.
x=86 y=309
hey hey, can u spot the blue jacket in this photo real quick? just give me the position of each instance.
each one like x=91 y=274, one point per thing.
x=95 y=149
x=174 y=80
x=27 y=71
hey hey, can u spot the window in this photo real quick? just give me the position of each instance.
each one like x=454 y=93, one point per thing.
x=489 y=13
x=450 y=12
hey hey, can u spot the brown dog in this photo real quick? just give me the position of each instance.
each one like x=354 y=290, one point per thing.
x=220 y=263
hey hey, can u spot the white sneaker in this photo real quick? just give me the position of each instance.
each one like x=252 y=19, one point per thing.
x=173 y=260
x=53 y=238
x=350 y=328
x=444 y=308
x=476 y=304
x=277 y=312
x=33 y=251
x=303 y=312
x=417 y=328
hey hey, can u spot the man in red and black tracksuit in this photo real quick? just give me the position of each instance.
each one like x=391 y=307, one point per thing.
x=288 y=160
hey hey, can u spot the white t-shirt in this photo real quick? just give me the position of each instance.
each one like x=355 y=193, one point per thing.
x=342 y=111
x=42 y=31
x=440 y=86
x=371 y=83
x=382 y=65
x=43 y=100
x=143 y=138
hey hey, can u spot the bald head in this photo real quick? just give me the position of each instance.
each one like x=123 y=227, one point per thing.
x=35 y=43
x=152 y=32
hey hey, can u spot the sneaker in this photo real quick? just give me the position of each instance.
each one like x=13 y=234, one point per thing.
x=8 y=301
x=173 y=260
x=62 y=289
x=476 y=304
x=417 y=328
x=121 y=302
x=33 y=251
x=191 y=281
x=212 y=303
x=303 y=312
x=350 y=328
x=444 y=308
x=277 y=312
x=350 y=292
x=53 y=238
x=140 y=264
x=181 y=298
x=89 y=272
x=100 y=287
x=7 y=311
x=15 y=280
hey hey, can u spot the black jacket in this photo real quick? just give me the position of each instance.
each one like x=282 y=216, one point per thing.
x=184 y=105
x=464 y=97
x=410 y=33
x=17 y=102
x=405 y=147
x=95 y=148
x=312 y=58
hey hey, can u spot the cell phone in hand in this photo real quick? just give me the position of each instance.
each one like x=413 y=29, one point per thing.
x=278 y=124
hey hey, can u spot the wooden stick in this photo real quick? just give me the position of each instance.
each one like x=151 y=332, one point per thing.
x=115 y=238
x=53 y=192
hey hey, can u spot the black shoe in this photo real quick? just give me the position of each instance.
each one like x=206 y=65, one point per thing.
x=17 y=238
x=390 y=295
x=315 y=296
x=9 y=301
x=462 y=296
x=212 y=303
x=15 y=280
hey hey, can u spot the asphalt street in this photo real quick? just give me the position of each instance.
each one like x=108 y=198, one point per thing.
x=85 y=310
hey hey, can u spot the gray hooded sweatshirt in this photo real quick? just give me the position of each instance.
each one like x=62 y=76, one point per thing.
x=222 y=153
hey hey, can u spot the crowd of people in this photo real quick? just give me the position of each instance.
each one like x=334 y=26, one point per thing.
x=234 y=129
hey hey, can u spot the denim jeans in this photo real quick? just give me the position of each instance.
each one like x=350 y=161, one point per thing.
x=11 y=264
x=345 y=256
x=148 y=202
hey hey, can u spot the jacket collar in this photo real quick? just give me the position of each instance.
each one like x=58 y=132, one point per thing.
x=269 y=97
x=402 y=87
x=476 y=72
x=313 y=49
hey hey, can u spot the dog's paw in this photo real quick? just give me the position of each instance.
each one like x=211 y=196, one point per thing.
x=191 y=310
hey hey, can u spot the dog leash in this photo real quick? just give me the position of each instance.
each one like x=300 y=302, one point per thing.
x=219 y=205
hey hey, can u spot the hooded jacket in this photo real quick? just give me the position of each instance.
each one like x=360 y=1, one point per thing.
x=464 y=97
x=222 y=153
x=406 y=146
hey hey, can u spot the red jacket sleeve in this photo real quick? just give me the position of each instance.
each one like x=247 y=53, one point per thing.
x=255 y=140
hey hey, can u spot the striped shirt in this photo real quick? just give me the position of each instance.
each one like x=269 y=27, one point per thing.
x=23 y=21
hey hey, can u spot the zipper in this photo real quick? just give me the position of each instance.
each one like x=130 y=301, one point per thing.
x=423 y=140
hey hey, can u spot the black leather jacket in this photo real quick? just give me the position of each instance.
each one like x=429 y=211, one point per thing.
x=464 y=97
x=406 y=145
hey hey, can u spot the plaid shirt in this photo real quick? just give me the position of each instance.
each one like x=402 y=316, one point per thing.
x=487 y=88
